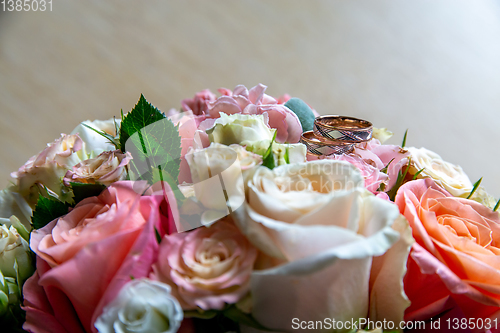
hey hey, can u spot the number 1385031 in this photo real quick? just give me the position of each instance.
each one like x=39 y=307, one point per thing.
x=26 y=5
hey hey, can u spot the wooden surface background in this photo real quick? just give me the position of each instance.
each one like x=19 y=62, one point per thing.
x=432 y=66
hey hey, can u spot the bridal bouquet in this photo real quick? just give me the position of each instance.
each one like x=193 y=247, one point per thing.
x=244 y=213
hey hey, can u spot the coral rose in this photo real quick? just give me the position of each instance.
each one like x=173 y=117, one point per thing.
x=456 y=257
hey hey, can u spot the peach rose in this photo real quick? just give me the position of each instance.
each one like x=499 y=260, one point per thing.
x=456 y=257
x=86 y=256
x=107 y=168
x=207 y=267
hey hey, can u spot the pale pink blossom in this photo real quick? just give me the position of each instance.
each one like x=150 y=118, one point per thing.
x=207 y=267
x=379 y=156
x=199 y=104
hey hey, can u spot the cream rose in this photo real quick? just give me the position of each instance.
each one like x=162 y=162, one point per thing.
x=142 y=306
x=240 y=128
x=95 y=143
x=321 y=230
x=217 y=173
x=107 y=168
x=14 y=248
x=49 y=167
x=449 y=176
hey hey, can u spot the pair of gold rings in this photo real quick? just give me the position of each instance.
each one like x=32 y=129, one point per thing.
x=336 y=135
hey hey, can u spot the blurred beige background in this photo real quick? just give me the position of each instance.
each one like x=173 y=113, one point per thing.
x=430 y=66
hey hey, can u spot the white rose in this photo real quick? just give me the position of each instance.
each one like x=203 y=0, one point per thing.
x=321 y=230
x=13 y=204
x=240 y=128
x=449 y=176
x=95 y=143
x=141 y=306
x=48 y=168
x=14 y=248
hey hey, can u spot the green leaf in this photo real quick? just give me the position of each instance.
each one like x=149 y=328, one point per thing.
x=496 y=206
x=476 y=185
x=154 y=143
x=117 y=128
x=287 y=156
x=268 y=157
x=399 y=181
x=142 y=115
x=303 y=112
x=47 y=210
x=418 y=173
x=158 y=237
x=384 y=169
x=403 y=144
x=82 y=191
x=235 y=314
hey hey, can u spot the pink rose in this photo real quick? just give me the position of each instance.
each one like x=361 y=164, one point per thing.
x=253 y=101
x=379 y=156
x=206 y=267
x=189 y=131
x=200 y=103
x=86 y=256
x=107 y=168
x=455 y=260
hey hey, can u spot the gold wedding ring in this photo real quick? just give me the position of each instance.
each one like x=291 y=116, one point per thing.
x=320 y=146
x=344 y=129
